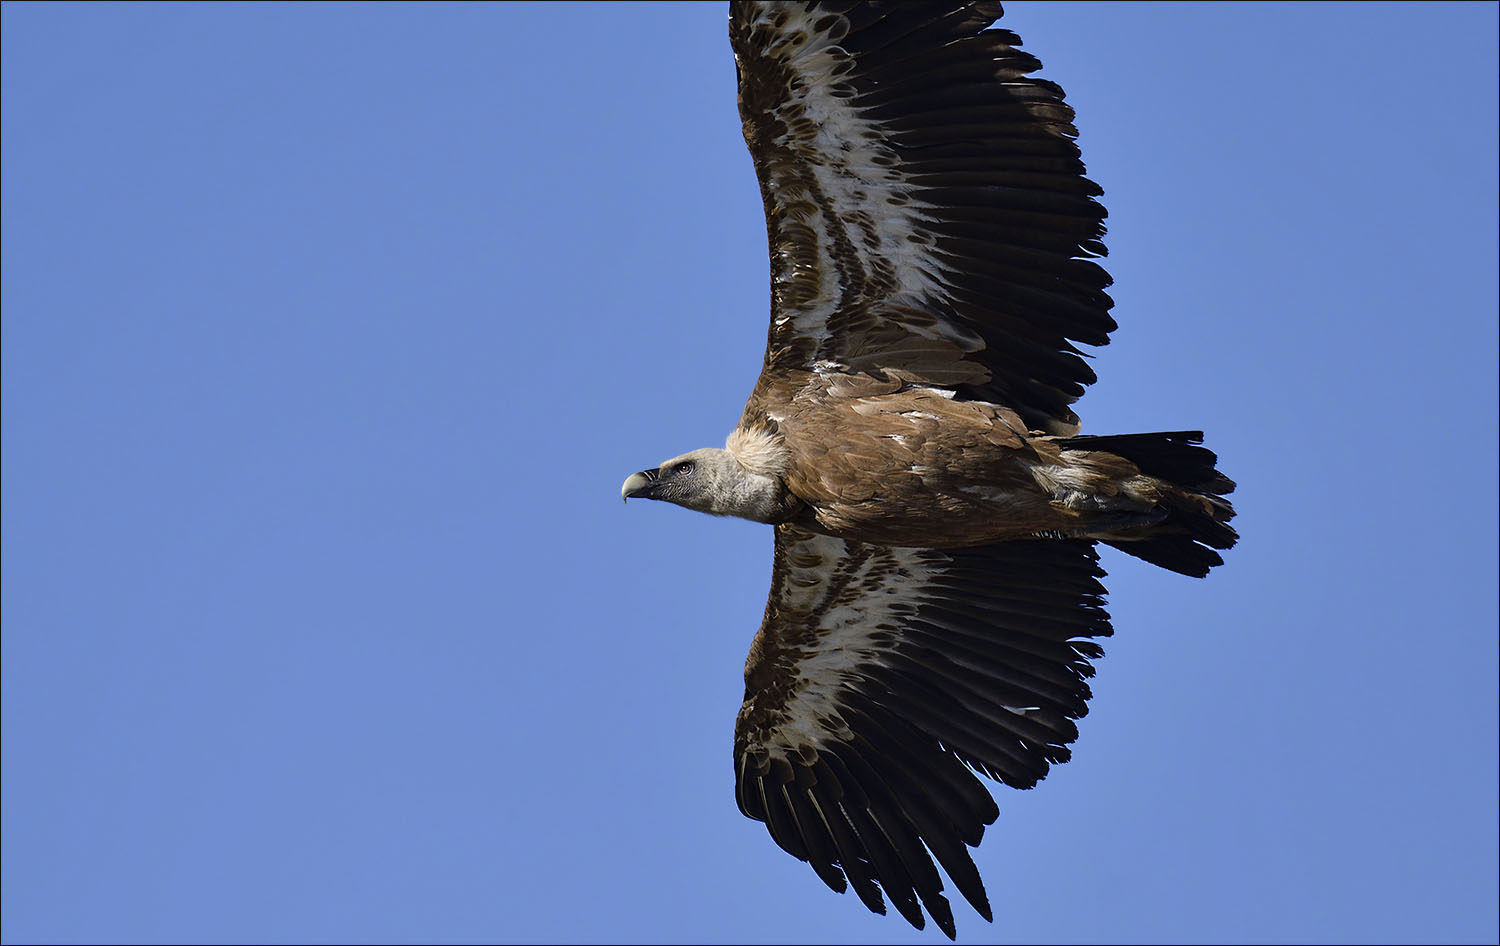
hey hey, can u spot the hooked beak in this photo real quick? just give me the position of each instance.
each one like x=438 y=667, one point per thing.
x=639 y=484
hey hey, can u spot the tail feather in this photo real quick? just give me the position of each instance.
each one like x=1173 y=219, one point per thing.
x=1197 y=518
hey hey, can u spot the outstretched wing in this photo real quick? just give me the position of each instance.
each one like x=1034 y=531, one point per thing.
x=880 y=676
x=925 y=201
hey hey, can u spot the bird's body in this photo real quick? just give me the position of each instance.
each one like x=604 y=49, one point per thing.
x=876 y=460
x=935 y=587
x=913 y=466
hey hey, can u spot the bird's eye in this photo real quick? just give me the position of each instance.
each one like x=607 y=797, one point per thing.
x=684 y=468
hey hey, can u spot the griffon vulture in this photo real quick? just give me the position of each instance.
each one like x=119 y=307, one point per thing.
x=935 y=589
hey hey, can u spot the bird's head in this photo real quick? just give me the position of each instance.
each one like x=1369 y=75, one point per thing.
x=711 y=480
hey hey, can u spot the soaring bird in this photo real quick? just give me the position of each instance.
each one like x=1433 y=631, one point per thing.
x=935 y=588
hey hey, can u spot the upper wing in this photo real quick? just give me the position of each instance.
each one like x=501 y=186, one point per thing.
x=925 y=201
x=880 y=673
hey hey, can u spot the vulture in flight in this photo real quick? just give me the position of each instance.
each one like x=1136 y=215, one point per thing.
x=935 y=589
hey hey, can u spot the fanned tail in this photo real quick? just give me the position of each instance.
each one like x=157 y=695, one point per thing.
x=1196 y=524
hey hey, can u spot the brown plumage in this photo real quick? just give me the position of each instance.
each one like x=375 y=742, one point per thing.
x=911 y=438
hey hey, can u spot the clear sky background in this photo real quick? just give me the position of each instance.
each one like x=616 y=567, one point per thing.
x=330 y=332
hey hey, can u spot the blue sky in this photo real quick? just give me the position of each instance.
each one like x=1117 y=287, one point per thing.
x=331 y=330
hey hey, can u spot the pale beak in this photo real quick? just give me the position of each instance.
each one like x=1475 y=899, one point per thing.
x=638 y=484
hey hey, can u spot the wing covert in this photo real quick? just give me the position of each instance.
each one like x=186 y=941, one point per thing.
x=881 y=675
